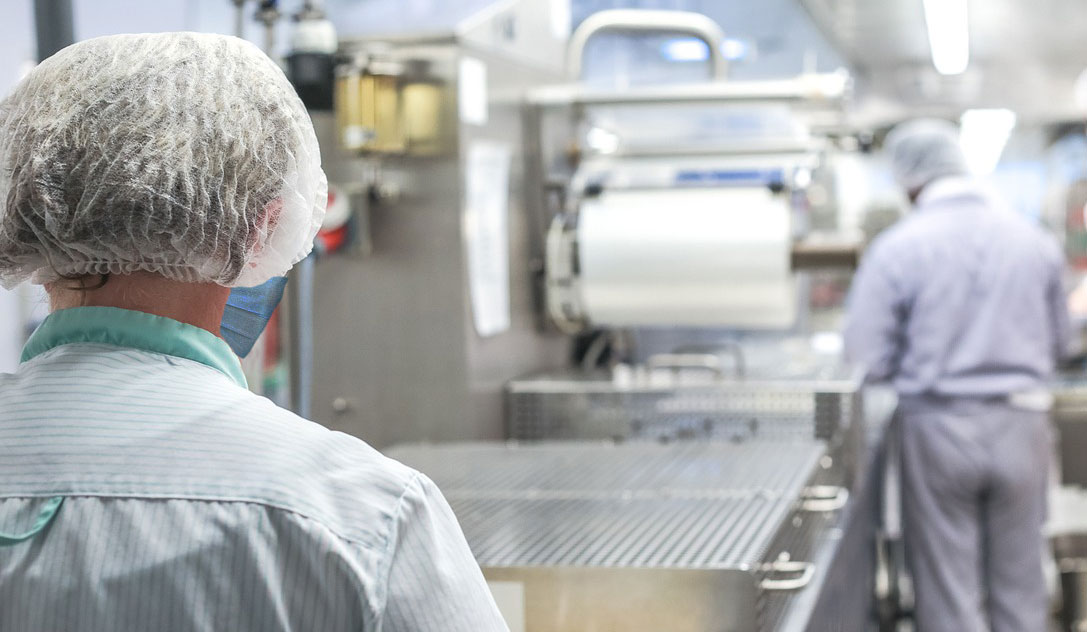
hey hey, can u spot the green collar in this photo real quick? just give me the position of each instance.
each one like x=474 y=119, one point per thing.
x=137 y=330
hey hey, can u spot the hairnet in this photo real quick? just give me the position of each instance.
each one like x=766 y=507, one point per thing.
x=183 y=154
x=924 y=150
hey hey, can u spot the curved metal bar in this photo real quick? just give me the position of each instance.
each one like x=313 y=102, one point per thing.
x=824 y=499
x=806 y=571
x=646 y=21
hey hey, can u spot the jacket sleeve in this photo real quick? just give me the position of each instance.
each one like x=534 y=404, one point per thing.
x=875 y=318
x=434 y=581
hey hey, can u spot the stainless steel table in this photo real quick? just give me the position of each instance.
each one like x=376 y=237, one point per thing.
x=692 y=536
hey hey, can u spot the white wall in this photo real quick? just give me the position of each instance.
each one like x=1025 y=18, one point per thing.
x=16 y=51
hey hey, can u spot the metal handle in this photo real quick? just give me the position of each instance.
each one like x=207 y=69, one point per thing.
x=824 y=498
x=706 y=361
x=739 y=361
x=647 y=21
x=806 y=570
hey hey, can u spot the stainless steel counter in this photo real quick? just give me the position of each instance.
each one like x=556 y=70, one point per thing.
x=786 y=403
x=641 y=536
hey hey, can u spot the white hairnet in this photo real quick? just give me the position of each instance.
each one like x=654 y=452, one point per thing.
x=924 y=150
x=183 y=154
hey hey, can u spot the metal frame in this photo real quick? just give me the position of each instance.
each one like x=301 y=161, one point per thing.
x=647 y=21
x=814 y=90
x=560 y=293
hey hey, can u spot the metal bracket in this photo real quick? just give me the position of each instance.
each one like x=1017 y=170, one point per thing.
x=563 y=291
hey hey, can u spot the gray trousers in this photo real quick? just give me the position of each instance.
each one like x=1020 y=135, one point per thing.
x=973 y=476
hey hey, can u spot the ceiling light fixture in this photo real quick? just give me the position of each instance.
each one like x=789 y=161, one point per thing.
x=685 y=49
x=948 y=23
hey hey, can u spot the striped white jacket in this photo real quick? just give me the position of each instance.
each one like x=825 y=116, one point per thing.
x=142 y=487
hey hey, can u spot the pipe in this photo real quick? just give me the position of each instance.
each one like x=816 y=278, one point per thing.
x=53 y=26
x=239 y=18
x=268 y=14
x=646 y=21
x=830 y=89
x=269 y=38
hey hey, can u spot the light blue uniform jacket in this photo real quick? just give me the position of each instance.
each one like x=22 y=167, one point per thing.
x=189 y=503
x=962 y=298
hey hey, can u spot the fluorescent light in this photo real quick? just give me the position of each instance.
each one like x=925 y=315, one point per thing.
x=984 y=134
x=602 y=141
x=686 y=49
x=694 y=49
x=1079 y=91
x=948 y=24
x=734 y=49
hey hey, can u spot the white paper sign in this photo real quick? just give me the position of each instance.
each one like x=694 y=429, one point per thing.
x=472 y=91
x=486 y=229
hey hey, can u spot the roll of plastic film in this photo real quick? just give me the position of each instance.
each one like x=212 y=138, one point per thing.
x=697 y=257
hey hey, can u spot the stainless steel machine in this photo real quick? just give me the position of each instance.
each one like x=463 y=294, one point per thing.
x=662 y=404
x=497 y=207
x=419 y=323
x=689 y=211
x=644 y=537
x=678 y=205
x=501 y=212
x=661 y=222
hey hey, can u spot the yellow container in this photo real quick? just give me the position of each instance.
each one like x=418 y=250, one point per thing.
x=424 y=125
x=368 y=111
x=351 y=120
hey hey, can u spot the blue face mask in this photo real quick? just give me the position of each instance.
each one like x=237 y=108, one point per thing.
x=247 y=312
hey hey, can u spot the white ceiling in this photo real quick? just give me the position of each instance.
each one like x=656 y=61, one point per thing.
x=1025 y=55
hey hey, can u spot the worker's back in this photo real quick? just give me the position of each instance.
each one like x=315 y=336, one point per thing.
x=960 y=306
x=962 y=298
x=189 y=503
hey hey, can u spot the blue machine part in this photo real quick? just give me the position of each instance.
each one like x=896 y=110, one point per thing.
x=731 y=177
